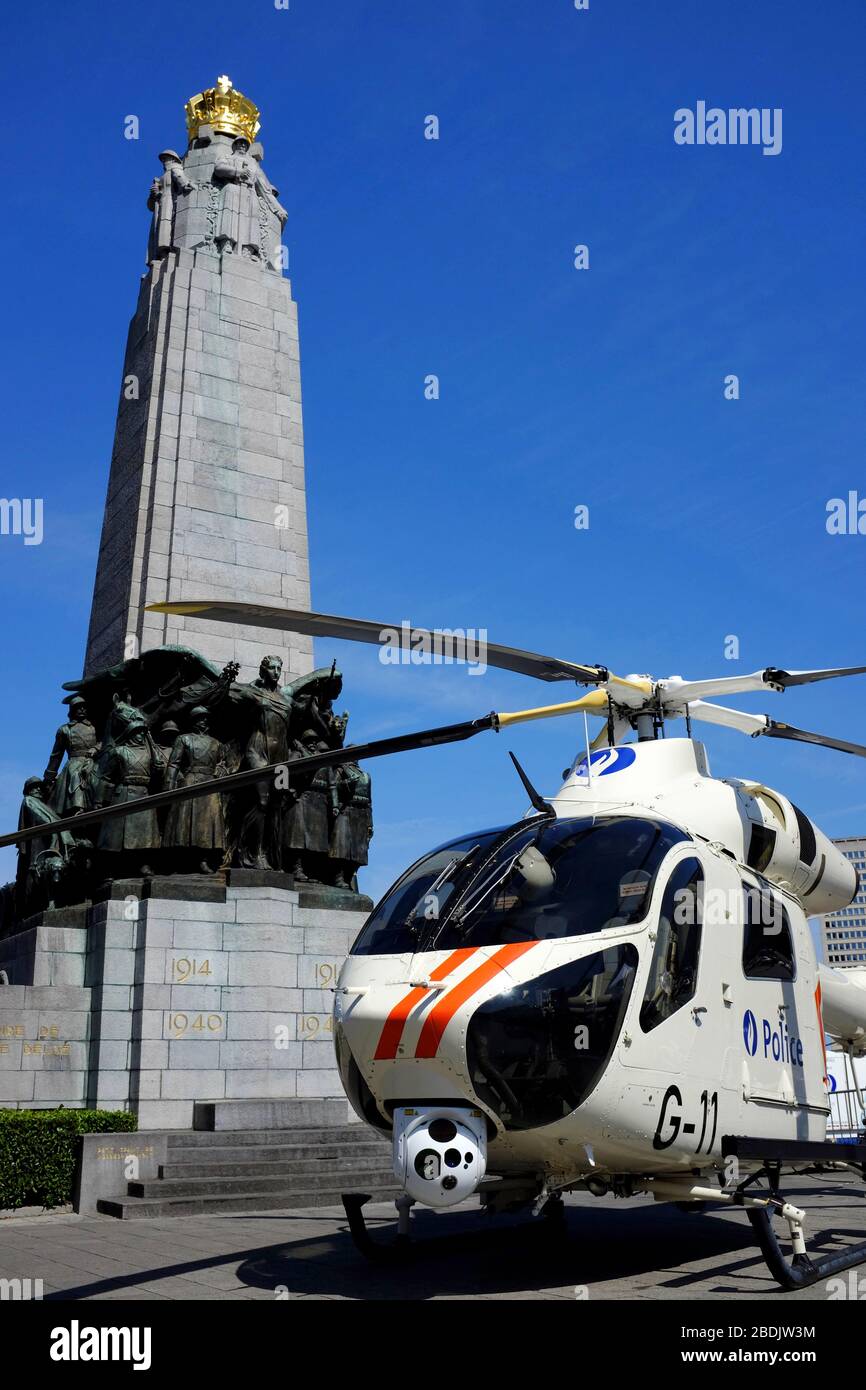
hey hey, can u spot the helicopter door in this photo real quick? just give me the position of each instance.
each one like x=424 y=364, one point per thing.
x=783 y=1056
x=666 y=1012
x=679 y=1028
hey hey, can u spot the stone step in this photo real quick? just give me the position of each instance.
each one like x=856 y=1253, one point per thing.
x=329 y=1177
x=217 y=1115
x=136 y=1208
x=261 y=1162
x=200 y=1141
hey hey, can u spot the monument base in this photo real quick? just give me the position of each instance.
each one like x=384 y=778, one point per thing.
x=160 y=1003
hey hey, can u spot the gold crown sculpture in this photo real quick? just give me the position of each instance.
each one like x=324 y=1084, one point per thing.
x=224 y=108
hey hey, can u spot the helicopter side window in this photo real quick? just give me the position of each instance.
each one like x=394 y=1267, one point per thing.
x=673 y=974
x=768 y=945
x=762 y=846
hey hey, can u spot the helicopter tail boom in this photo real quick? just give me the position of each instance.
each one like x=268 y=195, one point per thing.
x=843 y=1003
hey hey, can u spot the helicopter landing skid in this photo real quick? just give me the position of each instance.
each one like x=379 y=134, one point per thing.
x=800 y=1271
x=400 y=1248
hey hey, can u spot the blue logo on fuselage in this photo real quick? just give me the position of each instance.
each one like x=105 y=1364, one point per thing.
x=777 y=1043
x=750 y=1032
x=606 y=760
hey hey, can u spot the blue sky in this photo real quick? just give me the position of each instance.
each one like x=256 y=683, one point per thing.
x=558 y=387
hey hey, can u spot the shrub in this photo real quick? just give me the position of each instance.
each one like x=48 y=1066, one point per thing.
x=38 y=1150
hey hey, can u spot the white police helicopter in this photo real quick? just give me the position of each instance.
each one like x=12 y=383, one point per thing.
x=618 y=992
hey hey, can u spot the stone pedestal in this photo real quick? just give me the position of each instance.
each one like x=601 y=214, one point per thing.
x=177 y=1002
x=44 y=1046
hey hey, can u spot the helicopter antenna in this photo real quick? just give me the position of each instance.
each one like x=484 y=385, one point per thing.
x=588 y=751
x=535 y=797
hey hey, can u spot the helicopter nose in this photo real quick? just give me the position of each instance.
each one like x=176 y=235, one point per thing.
x=390 y=1020
x=440 y=1152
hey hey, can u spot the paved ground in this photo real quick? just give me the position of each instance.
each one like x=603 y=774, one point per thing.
x=631 y=1249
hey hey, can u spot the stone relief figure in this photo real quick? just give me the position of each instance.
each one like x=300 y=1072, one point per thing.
x=164 y=190
x=217 y=198
x=196 y=828
x=353 y=826
x=249 y=208
x=273 y=215
x=72 y=790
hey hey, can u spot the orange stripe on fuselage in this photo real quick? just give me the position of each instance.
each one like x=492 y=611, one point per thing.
x=396 y=1020
x=442 y=1013
x=819 y=1000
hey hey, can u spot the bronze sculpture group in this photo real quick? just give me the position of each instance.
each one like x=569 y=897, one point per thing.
x=170 y=719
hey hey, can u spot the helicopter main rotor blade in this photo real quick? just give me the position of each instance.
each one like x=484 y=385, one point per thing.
x=676 y=692
x=788 y=678
x=761 y=725
x=453 y=645
x=593 y=703
x=777 y=730
x=353 y=753
x=248 y=777
x=740 y=720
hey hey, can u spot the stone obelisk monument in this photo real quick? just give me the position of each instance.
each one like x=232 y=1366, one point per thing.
x=192 y=996
x=206 y=494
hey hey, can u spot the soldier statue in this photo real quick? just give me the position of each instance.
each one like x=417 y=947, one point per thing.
x=309 y=807
x=251 y=218
x=169 y=710
x=72 y=791
x=273 y=215
x=271 y=711
x=316 y=729
x=131 y=770
x=166 y=735
x=161 y=201
x=195 y=828
x=353 y=827
x=38 y=859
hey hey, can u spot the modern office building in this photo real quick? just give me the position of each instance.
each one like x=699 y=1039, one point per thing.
x=843 y=934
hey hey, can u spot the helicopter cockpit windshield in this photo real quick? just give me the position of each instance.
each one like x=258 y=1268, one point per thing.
x=541 y=879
